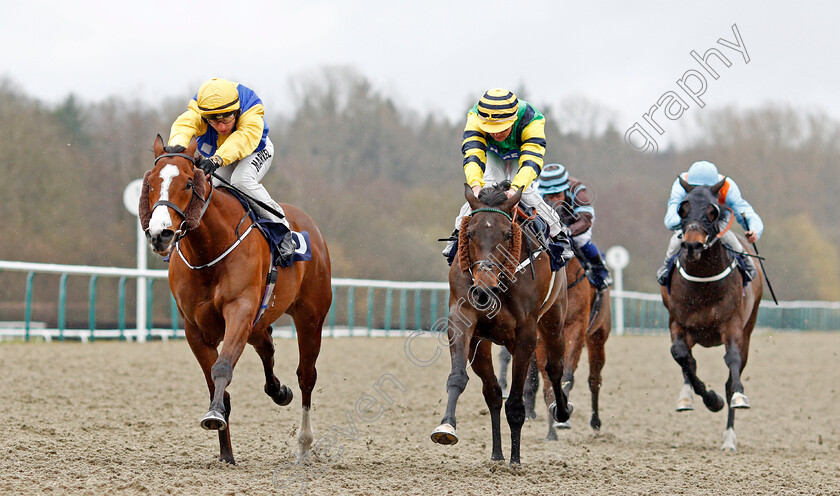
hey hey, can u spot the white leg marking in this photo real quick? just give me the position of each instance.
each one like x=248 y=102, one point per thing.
x=160 y=216
x=686 y=400
x=305 y=436
x=728 y=440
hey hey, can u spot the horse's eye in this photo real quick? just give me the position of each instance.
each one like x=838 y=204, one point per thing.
x=150 y=187
x=189 y=185
x=469 y=235
x=509 y=235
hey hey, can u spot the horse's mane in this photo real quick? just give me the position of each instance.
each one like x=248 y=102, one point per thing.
x=494 y=195
x=174 y=149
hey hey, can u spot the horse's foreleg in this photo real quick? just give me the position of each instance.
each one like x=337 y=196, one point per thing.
x=237 y=326
x=734 y=391
x=515 y=405
x=264 y=346
x=207 y=356
x=682 y=355
x=548 y=391
x=482 y=365
x=597 y=358
x=460 y=333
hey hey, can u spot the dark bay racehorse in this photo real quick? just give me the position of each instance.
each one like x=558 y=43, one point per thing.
x=588 y=322
x=218 y=275
x=708 y=303
x=492 y=300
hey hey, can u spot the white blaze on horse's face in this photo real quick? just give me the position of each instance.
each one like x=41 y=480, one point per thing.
x=160 y=216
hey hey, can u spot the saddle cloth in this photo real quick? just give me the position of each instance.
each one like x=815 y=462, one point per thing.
x=274 y=232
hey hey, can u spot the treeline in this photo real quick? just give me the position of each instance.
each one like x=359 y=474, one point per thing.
x=384 y=182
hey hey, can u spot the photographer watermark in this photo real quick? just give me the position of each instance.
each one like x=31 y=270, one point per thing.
x=691 y=87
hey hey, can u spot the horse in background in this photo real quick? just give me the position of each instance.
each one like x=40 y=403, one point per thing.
x=588 y=322
x=495 y=297
x=221 y=276
x=709 y=304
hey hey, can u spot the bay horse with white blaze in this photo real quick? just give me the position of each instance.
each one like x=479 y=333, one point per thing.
x=588 y=322
x=218 y=274
x=495 y=298
x=709 y=304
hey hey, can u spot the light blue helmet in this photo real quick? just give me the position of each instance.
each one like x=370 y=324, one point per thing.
x=553 y=179
x=702 y=174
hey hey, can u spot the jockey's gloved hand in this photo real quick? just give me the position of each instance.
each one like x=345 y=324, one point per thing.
x=209 y=165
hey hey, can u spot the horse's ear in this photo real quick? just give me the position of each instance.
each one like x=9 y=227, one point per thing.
x=471 y=199
x=192 y=147
x=511 y=202
x=158 y=146
x=712 y=212
x=684 y=209
x=687 y=187
x=716 y=188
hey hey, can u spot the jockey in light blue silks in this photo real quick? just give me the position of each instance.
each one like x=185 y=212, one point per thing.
x=706 y=174
x=570 y=199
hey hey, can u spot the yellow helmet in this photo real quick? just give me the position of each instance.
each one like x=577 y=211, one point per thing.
x=497 y=110
x=217 y=96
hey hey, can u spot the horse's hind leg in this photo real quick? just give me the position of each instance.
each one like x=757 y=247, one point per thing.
x=309 y=322
x=482 y=365
x=263 y=344
x=207 y=356
x=682 y=354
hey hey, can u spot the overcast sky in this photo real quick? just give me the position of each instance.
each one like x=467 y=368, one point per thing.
x=431 y=55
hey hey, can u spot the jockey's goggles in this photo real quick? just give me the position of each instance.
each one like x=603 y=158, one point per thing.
x=225 y=118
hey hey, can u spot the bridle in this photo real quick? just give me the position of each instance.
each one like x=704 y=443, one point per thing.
x=487 y=264
x=183 y=229
x=707 y=244
x=711 y=239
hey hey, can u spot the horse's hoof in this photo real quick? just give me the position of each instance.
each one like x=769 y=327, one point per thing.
x=713 y=401
x=685 y=405
x=595 y=423
x=739 y=400
x=552 y=435
x=444 y=434
x=284 y=396
x=563 y=425
x=556 y=414
x=505 y=393
x=214 y=421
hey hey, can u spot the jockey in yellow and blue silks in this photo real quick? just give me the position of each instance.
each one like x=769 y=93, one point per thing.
x=227 y=120
x=514 y=131
x=706 y=174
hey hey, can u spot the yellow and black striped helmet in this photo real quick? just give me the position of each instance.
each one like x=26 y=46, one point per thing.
x=497 y=110
x=217 y=96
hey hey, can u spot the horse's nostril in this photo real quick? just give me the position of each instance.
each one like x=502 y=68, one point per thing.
x=166 y=235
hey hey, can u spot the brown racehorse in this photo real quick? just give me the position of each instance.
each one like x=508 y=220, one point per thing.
x=708 y=304
x=491 y=300
x=220 y=292
x=588 y=321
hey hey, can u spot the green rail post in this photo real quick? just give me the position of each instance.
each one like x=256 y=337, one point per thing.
x=28 y=309
x=149 y=308
x=434 y=294
x=121 y=303
x=403 y=309
x=173 y=315
x=389 y=304
x=351 y=310
x=370 y=311
x=92 y=306
x=418 y=309
x=62 y=305
x=332 y=312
